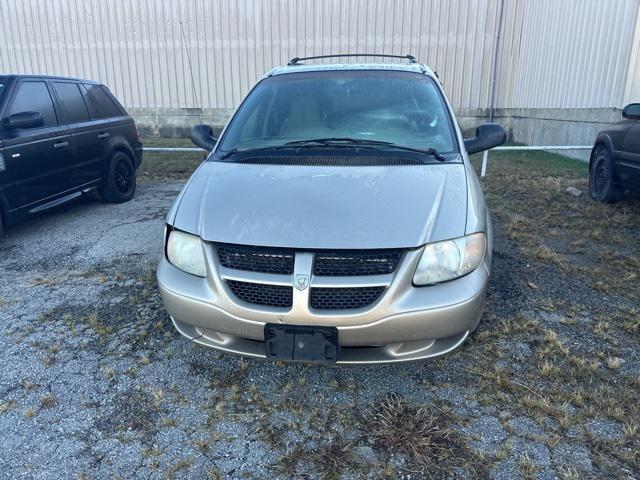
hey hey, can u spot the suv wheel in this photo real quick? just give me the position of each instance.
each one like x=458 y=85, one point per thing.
x=120 y=183
x=601 y=178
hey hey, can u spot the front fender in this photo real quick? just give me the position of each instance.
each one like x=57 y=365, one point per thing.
x=602 y=139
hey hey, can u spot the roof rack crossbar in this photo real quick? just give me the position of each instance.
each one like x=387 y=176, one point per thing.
x=296 y=60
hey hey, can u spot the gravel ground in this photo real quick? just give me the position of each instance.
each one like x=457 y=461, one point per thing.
x=95 y=382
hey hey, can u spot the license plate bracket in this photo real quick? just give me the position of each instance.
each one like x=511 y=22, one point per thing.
x=301 y=343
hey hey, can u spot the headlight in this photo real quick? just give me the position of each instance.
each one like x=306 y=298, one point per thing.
x=442 y=261
x=185 y=252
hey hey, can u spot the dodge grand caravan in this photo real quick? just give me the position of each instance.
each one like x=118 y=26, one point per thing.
x=59 y=138
x=337 y=219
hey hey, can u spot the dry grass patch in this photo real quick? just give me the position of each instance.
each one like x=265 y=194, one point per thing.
x=547 y=255
x=173 y=470
x=48 y=400
x=569 y=473
x=528 y=468
x=328 y=461
x=7 y=406
x=422 y=433
x=575 y=234
x=98 y=327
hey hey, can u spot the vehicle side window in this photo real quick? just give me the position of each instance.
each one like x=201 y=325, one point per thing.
x=99 y=102
x=72 y=102
x=34 y=97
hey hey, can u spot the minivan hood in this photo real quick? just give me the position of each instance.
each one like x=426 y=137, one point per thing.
x=320 y=207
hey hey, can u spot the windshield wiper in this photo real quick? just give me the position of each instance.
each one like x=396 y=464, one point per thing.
x=341 y=141
x=255 y=149
x=289 y=146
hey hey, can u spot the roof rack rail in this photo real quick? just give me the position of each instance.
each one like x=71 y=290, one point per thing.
x=297 y=60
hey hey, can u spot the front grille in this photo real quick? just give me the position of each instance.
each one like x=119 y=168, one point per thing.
x=327 y=263
x=344 y=298
x=354 y=263
x=260 y=294
x=256 y=259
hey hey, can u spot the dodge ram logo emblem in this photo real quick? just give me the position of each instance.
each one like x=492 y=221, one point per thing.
x=301 y=281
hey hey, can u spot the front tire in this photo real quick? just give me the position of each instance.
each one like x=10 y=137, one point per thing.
x=602 y=187
x=120 y=183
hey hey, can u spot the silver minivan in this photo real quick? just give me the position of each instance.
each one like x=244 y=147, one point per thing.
x=337 y=219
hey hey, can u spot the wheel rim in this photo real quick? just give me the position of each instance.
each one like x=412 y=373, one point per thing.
x=600 y=175
x=123 y=177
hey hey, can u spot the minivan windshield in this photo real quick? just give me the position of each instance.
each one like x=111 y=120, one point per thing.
x=402 y=108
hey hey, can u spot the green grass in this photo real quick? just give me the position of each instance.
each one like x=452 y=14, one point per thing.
x=169 y=165
x=535 y=162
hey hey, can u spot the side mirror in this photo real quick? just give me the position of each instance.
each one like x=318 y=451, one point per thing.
x=488 y=135
x=631 y=111
x=23 y=120
x=202 y=136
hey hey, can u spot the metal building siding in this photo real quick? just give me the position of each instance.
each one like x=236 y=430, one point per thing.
x=632 y=90
x=572 y=54
x=552 y=54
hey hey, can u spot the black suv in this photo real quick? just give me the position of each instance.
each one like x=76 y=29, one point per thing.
x=60 y=138
x=615 y=159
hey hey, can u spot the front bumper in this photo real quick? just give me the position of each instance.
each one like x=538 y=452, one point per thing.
x=406 y=323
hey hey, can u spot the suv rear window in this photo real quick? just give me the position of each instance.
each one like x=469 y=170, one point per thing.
x=74 y=107
x=34 y=97
x=99 y=102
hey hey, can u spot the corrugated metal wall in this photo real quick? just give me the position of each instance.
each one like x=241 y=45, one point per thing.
x=566 y=54
x=571 y=53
